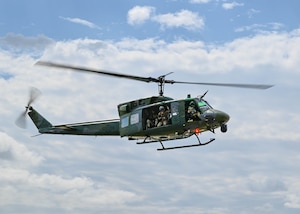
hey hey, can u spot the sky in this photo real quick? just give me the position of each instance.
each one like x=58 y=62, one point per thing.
x=254 y=167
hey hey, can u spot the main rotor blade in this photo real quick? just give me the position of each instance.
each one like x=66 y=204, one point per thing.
x=160 y=79
x=103 y=72
x=252 y=86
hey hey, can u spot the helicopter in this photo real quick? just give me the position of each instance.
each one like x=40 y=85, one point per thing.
x=154 y=119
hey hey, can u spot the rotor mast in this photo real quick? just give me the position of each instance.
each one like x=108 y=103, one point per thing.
x=161 y=88
x=161 y=83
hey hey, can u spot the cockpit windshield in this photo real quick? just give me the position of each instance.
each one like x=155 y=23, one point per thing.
x=203 y=105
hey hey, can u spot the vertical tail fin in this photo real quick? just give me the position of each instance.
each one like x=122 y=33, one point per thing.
x=39 y=121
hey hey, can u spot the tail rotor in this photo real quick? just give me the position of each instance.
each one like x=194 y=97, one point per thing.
x=34 y=93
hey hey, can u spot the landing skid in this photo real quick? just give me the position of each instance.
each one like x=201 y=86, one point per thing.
x=175 y=147
x=185 y=146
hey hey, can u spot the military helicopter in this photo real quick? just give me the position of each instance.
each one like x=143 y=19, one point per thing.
x=153 y=119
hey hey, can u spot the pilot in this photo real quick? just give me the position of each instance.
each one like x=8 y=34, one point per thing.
x=162 y=117
x=192 y=113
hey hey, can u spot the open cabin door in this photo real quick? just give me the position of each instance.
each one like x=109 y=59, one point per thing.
x=158 y=115
x=162 y=115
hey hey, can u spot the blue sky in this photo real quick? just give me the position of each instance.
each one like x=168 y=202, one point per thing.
x=252 y=168
x=111 y=22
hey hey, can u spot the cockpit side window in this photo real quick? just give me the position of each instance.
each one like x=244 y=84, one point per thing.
x=203 y=106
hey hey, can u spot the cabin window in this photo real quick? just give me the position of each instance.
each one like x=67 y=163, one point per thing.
x=134 y=118
x=203 y=106
x=124 y=122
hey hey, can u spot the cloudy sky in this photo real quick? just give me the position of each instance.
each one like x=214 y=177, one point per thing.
x=254 y=167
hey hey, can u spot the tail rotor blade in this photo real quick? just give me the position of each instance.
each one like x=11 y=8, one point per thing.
x=34 y=93
x=21 y=120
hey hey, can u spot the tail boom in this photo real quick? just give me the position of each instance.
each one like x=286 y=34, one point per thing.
x=105 y=127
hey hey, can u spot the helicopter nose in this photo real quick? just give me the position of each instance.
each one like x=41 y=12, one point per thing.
x=216 y=115
x=215 y=118
x=221 y=116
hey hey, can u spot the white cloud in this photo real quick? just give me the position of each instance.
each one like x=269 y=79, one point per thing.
x=15 y=154
x=81 y=22
x=184 y=18
x=252 y=11
x=264 y=184
x=19 y=44
x=71 y=174
x=139 y=14
x=56 y=191
x=231 y=5
x=293 y=201
x=260 y=28
x=199 y=1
